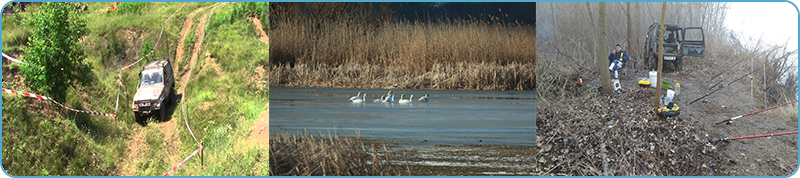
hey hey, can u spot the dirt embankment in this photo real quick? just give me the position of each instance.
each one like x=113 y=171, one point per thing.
x=590 y=133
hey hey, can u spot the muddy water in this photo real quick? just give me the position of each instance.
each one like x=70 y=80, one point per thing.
x=451 y=117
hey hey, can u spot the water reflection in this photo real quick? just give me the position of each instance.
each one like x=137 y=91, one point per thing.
x=472 y=117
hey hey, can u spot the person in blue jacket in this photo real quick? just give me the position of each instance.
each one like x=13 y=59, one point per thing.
x=616 y=60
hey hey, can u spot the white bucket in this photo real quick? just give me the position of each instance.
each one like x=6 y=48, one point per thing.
x=617 y=85
x=653 y=78
x=670 y=95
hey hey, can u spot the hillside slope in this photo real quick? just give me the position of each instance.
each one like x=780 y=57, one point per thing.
x=223 y=99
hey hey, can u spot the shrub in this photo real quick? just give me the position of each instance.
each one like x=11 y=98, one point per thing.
x=55 y=58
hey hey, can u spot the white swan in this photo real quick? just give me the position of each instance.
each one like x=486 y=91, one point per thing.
x=356 y=97
x=379 y=100
x=360 y=99
x=390 y=96
x=405 y=101
x=424 y=98
x=389 y=99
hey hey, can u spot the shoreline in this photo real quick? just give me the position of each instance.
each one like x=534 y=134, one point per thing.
x=461 y=76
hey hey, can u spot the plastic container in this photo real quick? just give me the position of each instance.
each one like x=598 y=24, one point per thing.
x=665 y=83
x=670 y=95
x=653 y=78
x=677 y=89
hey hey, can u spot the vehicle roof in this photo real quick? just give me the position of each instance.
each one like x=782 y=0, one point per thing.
x=671 y=26
x=158 y=64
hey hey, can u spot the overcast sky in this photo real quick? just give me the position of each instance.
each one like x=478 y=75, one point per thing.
x=776 y=21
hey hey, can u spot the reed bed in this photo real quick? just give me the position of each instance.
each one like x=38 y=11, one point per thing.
x=405 y=50
x=460 y=76
x=304 y=154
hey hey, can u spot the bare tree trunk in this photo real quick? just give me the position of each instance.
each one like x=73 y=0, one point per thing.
x=638 y=29
x=661 y=29
x=629 y=24
x=602 y=62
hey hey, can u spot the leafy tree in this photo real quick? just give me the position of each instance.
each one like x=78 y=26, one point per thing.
x=54 y=56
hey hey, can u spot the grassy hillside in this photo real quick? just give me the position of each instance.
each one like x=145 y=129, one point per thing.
x=221 y=105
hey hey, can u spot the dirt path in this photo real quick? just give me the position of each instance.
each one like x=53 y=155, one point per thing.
x=137 y=142
x=264 y=38
x=187 y=26
x=199 y=31
x=748 y=157
x=760 y=156
x=168 y=128
x=259 y=135
x=135 y=145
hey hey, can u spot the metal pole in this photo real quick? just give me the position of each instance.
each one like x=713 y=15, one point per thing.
x=752 y=113
x=753 y=136
x=751 y=77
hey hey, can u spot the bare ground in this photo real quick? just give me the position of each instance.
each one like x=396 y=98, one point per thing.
x=259 y=133
x=264 y=38
x=172 y=141
x=590 y=133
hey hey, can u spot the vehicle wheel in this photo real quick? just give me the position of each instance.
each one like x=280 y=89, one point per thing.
x=653 y=63
x=172 y=99
x=677 y=64
x=163 y=113
x=140 y=119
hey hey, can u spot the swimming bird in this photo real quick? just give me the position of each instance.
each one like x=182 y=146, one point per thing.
x=389 y=99
x=360 y=99
x=356 y=97
x=424 y=98
x=379 y=100
x=405 y=101
x=390 y=96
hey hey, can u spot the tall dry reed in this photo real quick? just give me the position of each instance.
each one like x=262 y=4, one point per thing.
x=304 y=154
x=408 y=48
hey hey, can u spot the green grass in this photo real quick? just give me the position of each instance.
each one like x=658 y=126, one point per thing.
x=221 y=110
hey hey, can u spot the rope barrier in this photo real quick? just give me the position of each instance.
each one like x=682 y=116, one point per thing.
x=184 y=161
x=32 y=95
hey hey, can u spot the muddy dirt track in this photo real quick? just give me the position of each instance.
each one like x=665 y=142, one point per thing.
x=589 y=133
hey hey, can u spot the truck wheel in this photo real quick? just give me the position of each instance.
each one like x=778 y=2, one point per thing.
x=163 y=113
x=677 y=64
x=140 y=119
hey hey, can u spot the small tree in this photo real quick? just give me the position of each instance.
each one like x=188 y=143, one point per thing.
x=53 y=53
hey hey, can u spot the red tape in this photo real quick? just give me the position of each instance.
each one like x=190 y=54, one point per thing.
x=32 y=95
x=184 y=161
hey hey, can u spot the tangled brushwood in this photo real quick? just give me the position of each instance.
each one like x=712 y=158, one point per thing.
x=303 y=154
x=461 y=76
x=597 y=134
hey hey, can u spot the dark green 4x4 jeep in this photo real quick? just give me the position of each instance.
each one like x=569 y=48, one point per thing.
x=678 y=43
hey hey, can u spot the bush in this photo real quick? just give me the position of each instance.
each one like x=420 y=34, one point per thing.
x=55 y=58
x=243 y=10
x=131 y=7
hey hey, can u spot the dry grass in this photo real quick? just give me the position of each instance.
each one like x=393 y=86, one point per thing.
x=466 y=76
x=327 y=155
x=406 y=50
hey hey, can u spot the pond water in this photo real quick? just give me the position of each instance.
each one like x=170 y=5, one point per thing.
x=450 y=117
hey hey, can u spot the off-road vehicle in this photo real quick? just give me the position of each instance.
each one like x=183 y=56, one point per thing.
x=156 y=83
x=678 y=42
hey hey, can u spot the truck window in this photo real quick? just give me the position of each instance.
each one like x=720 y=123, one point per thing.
x=151 y=78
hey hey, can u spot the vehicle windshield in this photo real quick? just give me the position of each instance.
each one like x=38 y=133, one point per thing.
x=150 y=78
